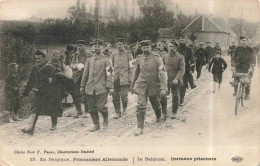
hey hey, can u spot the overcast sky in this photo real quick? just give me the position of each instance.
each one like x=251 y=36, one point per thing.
x=24 y=9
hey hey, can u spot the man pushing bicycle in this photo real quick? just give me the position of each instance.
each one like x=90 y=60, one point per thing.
x=243 y=61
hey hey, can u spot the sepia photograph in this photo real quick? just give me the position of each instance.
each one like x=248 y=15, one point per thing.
x=129 y=82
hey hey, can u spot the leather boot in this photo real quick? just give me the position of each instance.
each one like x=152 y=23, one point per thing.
x=140 y=121
x=95 y=119
x=32 y=122
x=164 y=110
x=53 y=123
x=117 y=107
x=124 y=104
x=10 y=117
x=105 y=118
x=158 y=115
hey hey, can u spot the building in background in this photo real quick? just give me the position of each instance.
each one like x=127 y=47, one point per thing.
x=206 y=29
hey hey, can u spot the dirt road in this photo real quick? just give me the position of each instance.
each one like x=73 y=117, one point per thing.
x=206 y=119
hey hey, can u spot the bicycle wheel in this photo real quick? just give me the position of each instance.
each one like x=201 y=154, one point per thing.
x=238 y=97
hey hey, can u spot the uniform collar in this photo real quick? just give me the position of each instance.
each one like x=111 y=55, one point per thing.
x=98 y=56
x=173 y=54
x=121 y=52
x=147 y=56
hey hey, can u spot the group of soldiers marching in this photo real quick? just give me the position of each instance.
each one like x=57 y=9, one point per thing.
x=92 y=75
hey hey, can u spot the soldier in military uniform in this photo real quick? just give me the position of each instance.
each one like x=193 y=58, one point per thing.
x=243 y=61
x=231 y=49
x=175 y=67
x=45 y=86
x=201 y=56
x=209 y=50
x=138 y=50
x=163 y=101
x=161 y=50
x=107 y=51
x=189 y=68
x=150 y=79
x=217 y=48
x=77 y=65
x=97 y=83
x=122 y=62
x=132 y=49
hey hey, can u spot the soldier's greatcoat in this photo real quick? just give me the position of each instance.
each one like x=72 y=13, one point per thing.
x=46 y=98
x=150 y=75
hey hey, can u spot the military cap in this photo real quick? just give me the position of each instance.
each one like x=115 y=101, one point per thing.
x=71 y=48
x=117 y=40
x=107 y=43
x=98 y=42
x=207 y=42
x=242 y=37
x=81 y=42
x=201 y=43
x=175 y=42
x=41 y=52
x=217 y=42
x=145 y=43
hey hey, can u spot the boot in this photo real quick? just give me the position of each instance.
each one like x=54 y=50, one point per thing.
x=32 y=122
x=86 y=112
x=10 y=117
x=124 y=103
x=54 y=123
x=95 y=119
x=105 y=118
x=139 y=131
x=193 y=86
x=164 y=110
x=16 y=118
x=117 y=107
x=140 y=121
x=158 y=115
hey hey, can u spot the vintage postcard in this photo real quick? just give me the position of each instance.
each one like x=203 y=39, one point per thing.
x=129 y=82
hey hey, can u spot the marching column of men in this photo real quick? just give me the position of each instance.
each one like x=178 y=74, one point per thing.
x=149 y=75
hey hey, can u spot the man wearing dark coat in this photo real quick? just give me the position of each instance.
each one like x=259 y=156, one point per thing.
x=231 y=49
x=45 y=89
x=189 y=68
x=243 y=61
x=201 y=56
x=217 y=48
x=209 y=50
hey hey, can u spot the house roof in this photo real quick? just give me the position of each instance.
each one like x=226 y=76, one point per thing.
x=205 y=24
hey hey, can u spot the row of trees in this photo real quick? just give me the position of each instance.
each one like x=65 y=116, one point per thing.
x=82 y=25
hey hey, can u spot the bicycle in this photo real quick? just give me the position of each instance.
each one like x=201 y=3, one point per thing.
x=244 y=81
